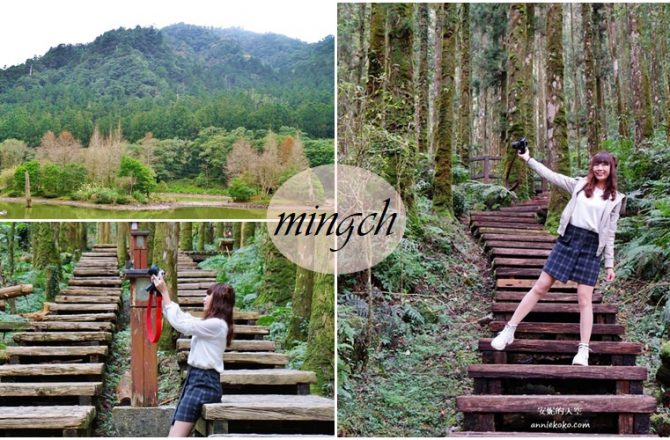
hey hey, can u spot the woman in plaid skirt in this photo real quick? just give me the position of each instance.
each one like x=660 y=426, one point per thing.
x=211 y=335
x=587 y=228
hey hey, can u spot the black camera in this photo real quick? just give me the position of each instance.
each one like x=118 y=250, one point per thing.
x=520 y=145
x=156 y=271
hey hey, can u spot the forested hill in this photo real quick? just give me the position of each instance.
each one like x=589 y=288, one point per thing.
x=171 y=82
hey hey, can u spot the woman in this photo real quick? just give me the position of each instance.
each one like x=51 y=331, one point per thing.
x=211 y=335
x=587 y=227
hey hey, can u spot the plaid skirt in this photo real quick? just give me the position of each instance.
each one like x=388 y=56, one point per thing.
x=574 y=257
x=201 y=386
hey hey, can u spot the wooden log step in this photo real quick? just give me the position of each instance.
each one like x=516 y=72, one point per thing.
x=92 y=369
x=527 y=284
x=520 y=262
x=194 y=286
x=236 y=345
x=81 y=317
x=47 y=351
x=516 y=252
x=559 y=328
x=239 y=357
x=196 y=273
x=267 y=376
x=561 y=372
x=78 y=290
x=74 y=326
x=544 y=346
x=192 y=292
x=15 y=291
x=238 y=315
x=502 y=213
x=536 y=238
x=518 y=272
x=211 y=280
x=509 y=244
x=193 y=300
x=50 y=389
x=20 y=338
x=88 y=299
x=512 y=295
x=523 y=208
x=99 y=254
x=46 y=417
x=603 y=309
x=58 y=307
x=527 y=220
x=626 y=404
x=95 y=272
x=513 y=231
x=94 y=282
x=270 y=407
x=525 y=227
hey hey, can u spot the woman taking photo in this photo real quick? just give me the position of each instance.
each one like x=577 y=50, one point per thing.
x=587 y=228
x=211 y=335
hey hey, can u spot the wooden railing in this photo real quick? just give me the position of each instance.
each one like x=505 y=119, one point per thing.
x=487 y=176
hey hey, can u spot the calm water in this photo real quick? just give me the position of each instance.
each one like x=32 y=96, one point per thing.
x=18 y=211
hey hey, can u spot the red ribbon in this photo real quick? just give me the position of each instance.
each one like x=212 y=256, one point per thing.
x=154 y=335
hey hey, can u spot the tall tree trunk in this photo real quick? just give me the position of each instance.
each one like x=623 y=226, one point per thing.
x=202 y=236
x=421 y=84
x=592 y=139
x=186 y=236
x=165 y=253
x=151 y=227
x=104 y=233
x=465 y=119
x=122 y=229
x=557 y=139
x=83 y=237
x=237 y=235
x=278 y=273
x=248 y=229
x=218 y=230
x=301 y=306
x=600 y=58
x=518 y=91
x=46 y=254
x=442 y=194
x=320 y=356
x=616 y=72
x=665 y=69
x=10 y=249
x=577 y=107
x=637 y=79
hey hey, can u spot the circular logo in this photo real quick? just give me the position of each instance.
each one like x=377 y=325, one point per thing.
x=340 y=219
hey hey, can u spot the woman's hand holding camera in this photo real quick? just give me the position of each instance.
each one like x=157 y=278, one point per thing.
x=162 y=288
x=525 y=155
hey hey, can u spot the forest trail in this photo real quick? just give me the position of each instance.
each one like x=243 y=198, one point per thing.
x=56 y=369
x=532 y=387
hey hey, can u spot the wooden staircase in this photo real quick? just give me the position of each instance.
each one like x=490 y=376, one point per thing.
x=531 y=386
x=55 y=370
x=260 y=394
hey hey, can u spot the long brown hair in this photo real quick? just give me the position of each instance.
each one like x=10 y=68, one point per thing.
x=223 y=302
x=611 y=184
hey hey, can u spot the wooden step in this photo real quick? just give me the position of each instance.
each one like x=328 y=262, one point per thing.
x=504 y=307
x=559 y=328
x=88 y=299
x=95 y=272
x=72 y=420
x=523 y=220
x=516 y=252
x=525 y=227
x=243 y=315
x=72 y=326
x=267 y=376
x=561 y=372
x=524 y=208
x=94 y=282
x=518 y=272
x=502 y=214
x=276 y=408
x=545 y=346
x=84 y=351
x=534 y=238
x=513 y=231
x=91 y=291
x=240 y=357
x=90 y=369
x=211 y=280
x=50 y=389
x=491 y=244
x=194 y=286
x=196 y=274
x=60 y=308
x=21 y=338
x=527 y=284
x=520 y=262
x=511 y=295
x=236 y=345
x=83 y=317
x=633 y=410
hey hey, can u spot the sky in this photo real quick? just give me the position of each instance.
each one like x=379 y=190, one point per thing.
x=31 y=27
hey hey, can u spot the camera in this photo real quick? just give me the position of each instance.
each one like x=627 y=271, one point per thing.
x=520 y=145
x=156 y=271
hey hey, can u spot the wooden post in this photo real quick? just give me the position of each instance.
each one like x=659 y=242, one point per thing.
x=487 y=169
x=29 y=201
x=143 y=355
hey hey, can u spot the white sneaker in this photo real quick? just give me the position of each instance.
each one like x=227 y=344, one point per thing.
x=504 y=338
x=582 y=356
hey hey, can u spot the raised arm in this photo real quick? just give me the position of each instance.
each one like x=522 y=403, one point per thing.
x=189 y=325
x=566 y=183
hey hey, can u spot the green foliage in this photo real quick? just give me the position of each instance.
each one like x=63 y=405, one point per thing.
x=143 y=177
x=242 y=270
x=476 y=196
x=33 y=169
x=240 y=190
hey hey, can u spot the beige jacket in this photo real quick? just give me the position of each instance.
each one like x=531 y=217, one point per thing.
x=608 y=222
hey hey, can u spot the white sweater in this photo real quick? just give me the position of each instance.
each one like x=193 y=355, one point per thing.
x=209 y=337
x=589 y=210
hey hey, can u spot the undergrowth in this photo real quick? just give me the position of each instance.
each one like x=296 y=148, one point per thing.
x=405 y=358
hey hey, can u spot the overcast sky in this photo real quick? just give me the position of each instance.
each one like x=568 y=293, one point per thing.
x=31 y=27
